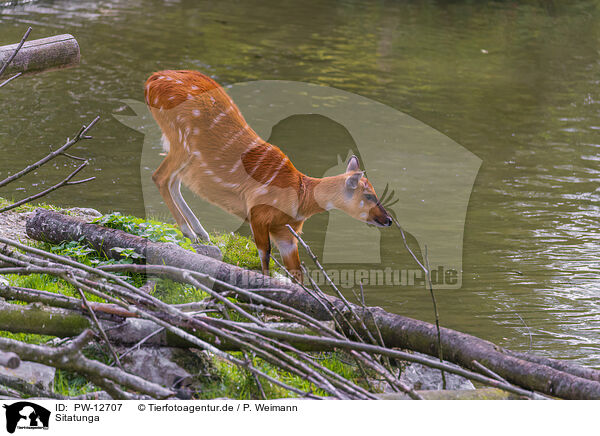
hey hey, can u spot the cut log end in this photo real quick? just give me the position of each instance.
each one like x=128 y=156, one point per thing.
x=40 y=55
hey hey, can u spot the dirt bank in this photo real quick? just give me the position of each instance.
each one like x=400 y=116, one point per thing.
x=12 y=223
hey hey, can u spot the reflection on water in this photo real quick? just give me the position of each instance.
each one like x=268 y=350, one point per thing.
x=515 y=84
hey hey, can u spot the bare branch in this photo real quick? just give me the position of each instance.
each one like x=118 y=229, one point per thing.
x=81 y=134
x=65 y=182
x=100 y=329
x=10 y=79
x=10 y=59
x=70 y=357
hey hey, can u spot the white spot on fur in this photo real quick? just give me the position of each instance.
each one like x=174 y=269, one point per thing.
x=165 y=144
x=217 y=179
x=209 y=172
x=286 y=248
x=264 y=154
x=276 y=172
x=329 y=205
x=362 y=203
x=234 y=137
x=196 y=131
x=196 y=112
x=216 y=120
x=194 y=88
x=363 y=216
x=197 y=154
x=236 y=166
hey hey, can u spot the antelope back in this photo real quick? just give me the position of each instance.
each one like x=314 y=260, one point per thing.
x=216 y=151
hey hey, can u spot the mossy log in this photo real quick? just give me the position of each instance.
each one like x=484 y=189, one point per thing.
x=70 y=319
x=55 y=52
x=467 y=394
x=563 y=381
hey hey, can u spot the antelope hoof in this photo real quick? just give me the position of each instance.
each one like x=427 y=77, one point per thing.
x=208 y=250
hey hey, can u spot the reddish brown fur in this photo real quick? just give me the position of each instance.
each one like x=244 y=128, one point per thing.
x=218 y=156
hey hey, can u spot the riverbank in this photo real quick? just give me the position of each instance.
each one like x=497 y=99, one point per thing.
x=126 y=241
x=203 y=374
x=12 y=222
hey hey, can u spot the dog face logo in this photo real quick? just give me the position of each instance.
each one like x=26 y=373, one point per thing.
x=26 y=415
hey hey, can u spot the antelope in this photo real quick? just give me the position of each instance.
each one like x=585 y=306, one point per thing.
x=216 y=154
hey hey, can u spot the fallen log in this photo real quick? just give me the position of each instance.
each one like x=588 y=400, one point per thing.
x=9 y=360
x=566 y=381
x=39 y=319
x=63 y=322
x=467 y=394
x=39 y=55
x=71 y=358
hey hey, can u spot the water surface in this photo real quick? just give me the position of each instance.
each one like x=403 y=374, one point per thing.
x=514 y=83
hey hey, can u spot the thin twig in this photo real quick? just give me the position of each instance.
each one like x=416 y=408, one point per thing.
x=330 y=282
x=81 y=134
x=528 y=331
x=10 y=79
x=10 y=59
x=429 y=285
x=256 y=379
x=141 y=342
x=65 y=182
x=437 y=316
x=488 y=371
x=100 y=329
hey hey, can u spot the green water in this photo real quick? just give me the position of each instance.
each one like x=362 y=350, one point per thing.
x=515 y=83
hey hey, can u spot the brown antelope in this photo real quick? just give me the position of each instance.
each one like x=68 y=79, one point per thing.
x=212 y=149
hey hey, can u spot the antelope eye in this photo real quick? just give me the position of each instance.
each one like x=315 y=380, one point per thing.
x=371 y=197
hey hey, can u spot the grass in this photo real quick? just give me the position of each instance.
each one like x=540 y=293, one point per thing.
x=233 y=382
x=29 y=207
x=226 y=380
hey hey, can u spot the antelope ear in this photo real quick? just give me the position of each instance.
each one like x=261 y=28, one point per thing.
x=352 y=165
x=352 y=180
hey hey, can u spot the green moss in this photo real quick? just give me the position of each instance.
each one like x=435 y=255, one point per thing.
x=71 y=384
x=239 y=250
x=30 y=207
x=176 y=293
x=234 y=382
x=153 y=230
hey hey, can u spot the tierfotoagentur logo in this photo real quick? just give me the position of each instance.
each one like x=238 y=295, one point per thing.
x=26 y=415
x=426 y=176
